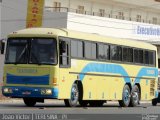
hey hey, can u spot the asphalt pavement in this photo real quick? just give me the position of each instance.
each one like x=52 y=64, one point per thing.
x=56 y=110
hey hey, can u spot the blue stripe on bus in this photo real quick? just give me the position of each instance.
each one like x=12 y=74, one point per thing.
x=150 y=72
x=34 y=80
x=105 y=68
x=116 y=69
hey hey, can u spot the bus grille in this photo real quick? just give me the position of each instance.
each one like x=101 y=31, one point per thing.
x=32 y=80
x=152 y=87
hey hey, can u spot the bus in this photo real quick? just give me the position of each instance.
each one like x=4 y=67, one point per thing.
x=80 y=68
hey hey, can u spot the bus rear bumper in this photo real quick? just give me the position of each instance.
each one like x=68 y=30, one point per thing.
x=34 y=92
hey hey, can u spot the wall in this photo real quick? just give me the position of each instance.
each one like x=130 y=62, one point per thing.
x=55 y=19
x=130 y=9
x=144 y=3
x=113 y=27
x=13 y=16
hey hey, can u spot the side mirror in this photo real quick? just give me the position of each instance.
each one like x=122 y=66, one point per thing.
x=63 y=46
x=2 y=46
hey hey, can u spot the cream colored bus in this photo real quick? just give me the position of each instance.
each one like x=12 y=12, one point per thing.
x=79 y=68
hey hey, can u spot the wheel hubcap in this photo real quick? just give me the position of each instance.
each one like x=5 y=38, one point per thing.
x=126 y=96
x=135 y=97
x=74 y=94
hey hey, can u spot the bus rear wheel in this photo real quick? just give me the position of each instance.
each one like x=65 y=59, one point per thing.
x=30 y=102
x=125 y=97
x=135 y=96
x=72 y=102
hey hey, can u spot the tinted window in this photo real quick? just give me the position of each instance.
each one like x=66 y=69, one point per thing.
x=76 y=49
x=64 y=46
x=94 y=51
x=116 y=53
x=17 y=51
x=80 y=49
x=152 y=58
x=106 y=51
x=138 y=56
x=149 y=57
x=90 y=50
x=43 y=51
x=127 y=54
x=146 y=57
x=103 y=52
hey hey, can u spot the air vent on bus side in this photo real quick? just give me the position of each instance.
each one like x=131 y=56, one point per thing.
x=158 y=83
x=152 y=87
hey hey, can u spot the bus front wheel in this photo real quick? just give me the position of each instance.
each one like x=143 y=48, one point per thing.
x=72 y=102
x=30 y=102
x=125 y=97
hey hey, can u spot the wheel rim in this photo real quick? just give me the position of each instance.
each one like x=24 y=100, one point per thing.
x=135 y=96
x=74 y=94
x=126 y=96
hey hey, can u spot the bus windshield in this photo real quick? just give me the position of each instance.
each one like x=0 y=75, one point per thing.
x=31 y=51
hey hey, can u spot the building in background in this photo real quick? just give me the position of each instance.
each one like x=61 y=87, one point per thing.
x=131 y=19
x=13 y=16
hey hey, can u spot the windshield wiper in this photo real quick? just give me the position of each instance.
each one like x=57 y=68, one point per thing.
x=22 y=53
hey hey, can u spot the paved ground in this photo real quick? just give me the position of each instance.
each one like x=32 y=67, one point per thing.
x=111 y=110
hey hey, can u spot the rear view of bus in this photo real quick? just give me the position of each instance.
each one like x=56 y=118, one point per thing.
x=28 y=65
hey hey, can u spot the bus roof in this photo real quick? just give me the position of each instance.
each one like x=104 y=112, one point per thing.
x=52 y=32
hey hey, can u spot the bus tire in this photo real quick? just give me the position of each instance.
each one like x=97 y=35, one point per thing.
x=30 y=102
x=154 y=102
x=72 y=102
x=125 y=97
x=135 y=96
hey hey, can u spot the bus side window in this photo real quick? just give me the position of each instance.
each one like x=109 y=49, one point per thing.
x=64 y=53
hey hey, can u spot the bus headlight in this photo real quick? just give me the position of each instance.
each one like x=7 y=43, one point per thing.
x=7 y=90
x=46 y=91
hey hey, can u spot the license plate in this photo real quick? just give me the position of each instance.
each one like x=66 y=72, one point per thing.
x=26 y=93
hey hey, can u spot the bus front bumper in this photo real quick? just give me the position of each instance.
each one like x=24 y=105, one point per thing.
x=34 y=92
